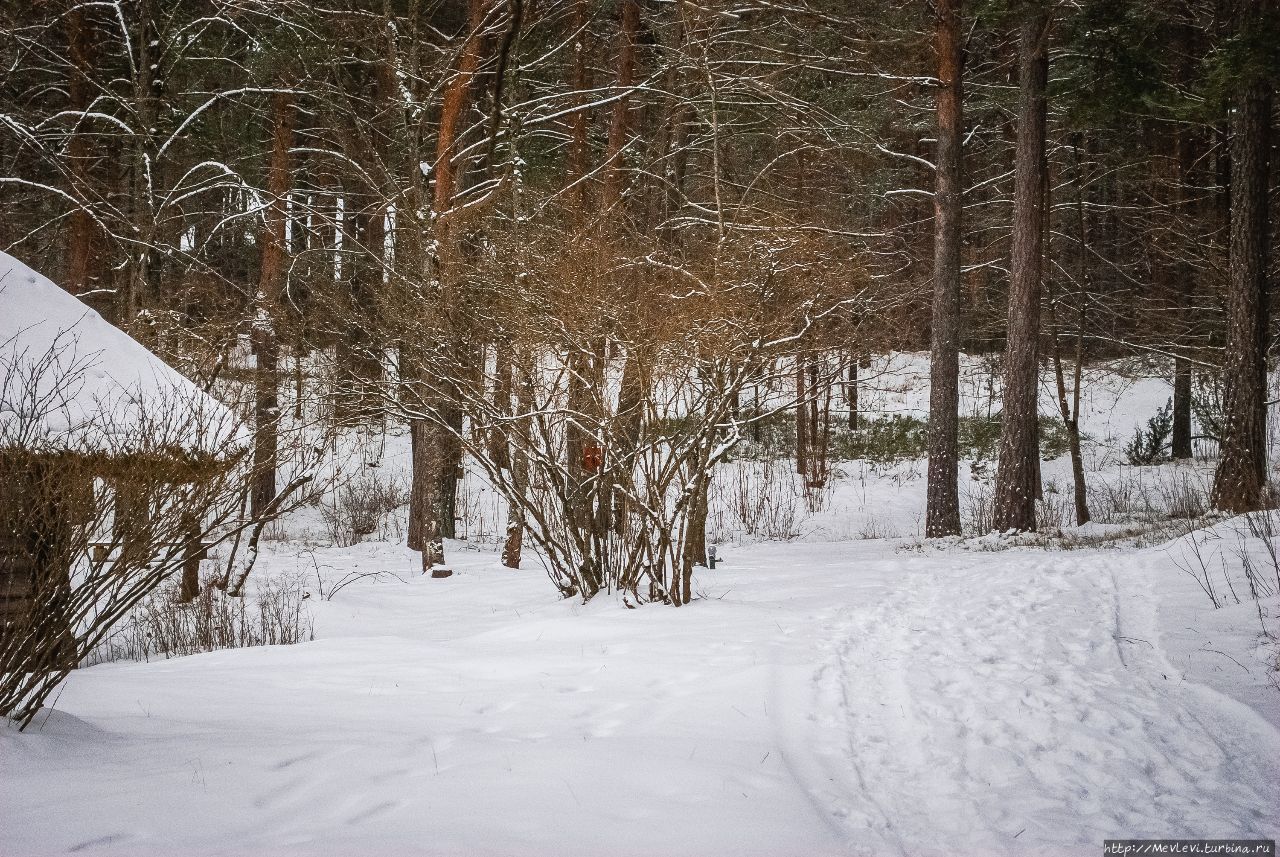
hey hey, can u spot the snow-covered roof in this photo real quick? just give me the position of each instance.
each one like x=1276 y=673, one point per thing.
x=72 y=382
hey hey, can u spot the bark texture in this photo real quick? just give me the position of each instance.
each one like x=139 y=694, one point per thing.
x=1180 y=444
x=942 y=516
x=1017 y=476
x=84 y=252
x=144 y=225
x=266 y=346
x=1240 y=479
x=619 y=124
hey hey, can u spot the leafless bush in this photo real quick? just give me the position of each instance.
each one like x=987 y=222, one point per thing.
x=328 y=589
x=1118 y=501
x=481 y=510
x=164 y=626
x=818 y=497
x=601 y=419
x=1150 y=495
x=1262 y=526
x=1196 y=559
x=1184 y=495
x=759 y=498
x=1234 y=562
x=875 y=527
x=367 y=505
x=977 y=513
x=1055 y=509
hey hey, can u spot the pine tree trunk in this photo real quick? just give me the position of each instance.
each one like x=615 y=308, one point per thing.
x=943 y=505
x=1069 y=408
x=579 y=145
x=1187 y=209
x=513 y=545
x=1072 y=415
x=1180 y=444
x=619 y=124
x=632 y=394
x=1171 y=276
x=1073 y=432
x=851 y=392
x=436 y=455
x=189 y=588
x=266 y=347
x=358 y=354
x=664 y=197
x=496 y=445
x=450 y=470
x=631 y=398
x=817 y=431
x=515 y=384
x=802 y=421
x=139 y=269
x=1240 y=480
x=84 y=263
x=266 y=414
x=577 y=435
x=1017 y=477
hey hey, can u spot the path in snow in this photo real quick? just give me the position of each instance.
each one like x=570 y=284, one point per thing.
x=822 y=700
x=1017 y=703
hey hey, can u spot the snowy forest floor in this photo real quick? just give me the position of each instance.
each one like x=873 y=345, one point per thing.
x=850 y=690
x=845 y=698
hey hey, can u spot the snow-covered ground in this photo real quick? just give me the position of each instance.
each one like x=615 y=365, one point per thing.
x=821 y=699
x=853 y=691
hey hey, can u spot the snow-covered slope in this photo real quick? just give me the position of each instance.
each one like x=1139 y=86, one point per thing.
x=72 y=381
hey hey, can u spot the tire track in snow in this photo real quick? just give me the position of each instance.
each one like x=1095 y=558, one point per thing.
x=992 y=706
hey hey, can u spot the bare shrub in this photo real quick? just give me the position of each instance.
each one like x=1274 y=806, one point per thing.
x=817 y=498
x=1150 y=495
x=366 y=505
x=759 y=498
x=602 y=418
x=328 y=589
x=1262 y=526
x=1183 y=495
x=1056 y=509
x=481 y=510
x=977 y=512
x=164 y=626
x=1231 y=571
x=1118 y=501
x=1196 y=559
x=875 y=527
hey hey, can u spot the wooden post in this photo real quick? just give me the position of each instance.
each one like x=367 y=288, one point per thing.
x=37 y=505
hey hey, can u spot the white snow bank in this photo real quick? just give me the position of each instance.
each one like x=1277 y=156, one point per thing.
x=70 y=381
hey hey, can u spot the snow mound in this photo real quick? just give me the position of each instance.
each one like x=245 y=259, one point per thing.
x=72 y=382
